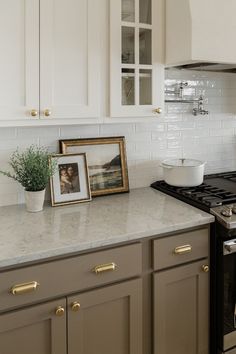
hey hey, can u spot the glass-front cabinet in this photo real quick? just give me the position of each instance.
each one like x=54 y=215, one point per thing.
x=136 y=53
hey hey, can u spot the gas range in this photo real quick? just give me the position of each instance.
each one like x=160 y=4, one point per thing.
x=217 y=195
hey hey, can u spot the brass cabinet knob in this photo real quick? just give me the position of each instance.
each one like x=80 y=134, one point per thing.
x=34 y=113
x=158 y=110
x=205 y=268
x=60 y=311
x=75 y=306
x=47 y=113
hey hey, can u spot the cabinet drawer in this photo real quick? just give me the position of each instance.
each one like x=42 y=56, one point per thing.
x=174 y=250
x=66 y=276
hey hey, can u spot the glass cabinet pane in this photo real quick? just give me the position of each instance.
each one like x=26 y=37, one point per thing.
x=145 y=87
x=128 y=87
x=128 y=47
x=145 y=46
x=145 y=11
x=128 y=10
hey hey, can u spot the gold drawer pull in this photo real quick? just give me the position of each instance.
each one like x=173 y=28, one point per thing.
x=24 y=288
x=183 y=249
x=104 y=268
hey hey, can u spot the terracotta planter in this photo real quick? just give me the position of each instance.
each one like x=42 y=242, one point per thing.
x=34 y=201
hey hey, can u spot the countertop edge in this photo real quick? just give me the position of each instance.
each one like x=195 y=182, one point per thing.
x=90 y=246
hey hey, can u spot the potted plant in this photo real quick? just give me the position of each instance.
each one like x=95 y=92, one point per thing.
x=32 y=170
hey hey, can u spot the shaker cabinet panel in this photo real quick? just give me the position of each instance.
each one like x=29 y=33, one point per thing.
x=69 y=58
x=35 y=330
x=181 y=306
x=137 y=59
x=109 y=320
x=19 y=59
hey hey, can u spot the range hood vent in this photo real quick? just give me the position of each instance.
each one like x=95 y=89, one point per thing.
x=200 y=35
x=213 y=67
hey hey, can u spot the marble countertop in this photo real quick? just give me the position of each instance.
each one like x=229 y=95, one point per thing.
x=26 y=237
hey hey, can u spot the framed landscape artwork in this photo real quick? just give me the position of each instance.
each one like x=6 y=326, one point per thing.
x=107 y=164
x=70 y=183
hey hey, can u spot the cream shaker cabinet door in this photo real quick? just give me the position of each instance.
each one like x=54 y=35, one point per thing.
x=19 y=60
x=69 y=59
x=137 y=58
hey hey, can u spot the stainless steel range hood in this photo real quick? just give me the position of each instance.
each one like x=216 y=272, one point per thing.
x=200 y=34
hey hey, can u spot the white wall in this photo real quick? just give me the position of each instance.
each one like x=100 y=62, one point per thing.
x=178 y=134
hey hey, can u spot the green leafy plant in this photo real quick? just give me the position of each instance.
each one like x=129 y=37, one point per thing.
x=31 y=168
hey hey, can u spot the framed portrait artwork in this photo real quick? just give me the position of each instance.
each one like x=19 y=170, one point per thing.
x=107 y=163
x=70 y=183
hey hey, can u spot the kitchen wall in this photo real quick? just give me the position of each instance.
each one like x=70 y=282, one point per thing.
x=177 y=134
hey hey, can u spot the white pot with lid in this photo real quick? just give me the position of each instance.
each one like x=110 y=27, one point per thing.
x=183 y=172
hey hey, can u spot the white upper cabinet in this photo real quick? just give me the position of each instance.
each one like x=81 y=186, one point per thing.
x=69 y=59
x=49 y=62
x=19 y=59
x=136 y=58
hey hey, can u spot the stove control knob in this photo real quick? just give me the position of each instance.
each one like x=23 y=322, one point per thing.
x=227 y=212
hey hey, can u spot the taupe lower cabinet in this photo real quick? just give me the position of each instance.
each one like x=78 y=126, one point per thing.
x=181 y=310
x=181 y=294
x=103 y=321
x=146 y=297
x=109 y=320
x=34 y=330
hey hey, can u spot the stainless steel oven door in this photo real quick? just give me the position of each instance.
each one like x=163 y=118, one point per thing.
x=229 y=279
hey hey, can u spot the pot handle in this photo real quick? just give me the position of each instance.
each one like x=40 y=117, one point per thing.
x=165 y=166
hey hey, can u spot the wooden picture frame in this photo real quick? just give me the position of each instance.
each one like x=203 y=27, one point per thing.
x=70 y=183
x=107 y=164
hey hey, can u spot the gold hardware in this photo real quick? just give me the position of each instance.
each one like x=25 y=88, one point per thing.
x=205 y=268
x=104 y=268
x=75 y=306
x=47 y=112
x=60 y=311
x=33 y=113
x=183 y=249
x=24 y=288
x=158 y=110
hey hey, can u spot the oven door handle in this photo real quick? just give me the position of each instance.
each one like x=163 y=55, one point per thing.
x=229 y=247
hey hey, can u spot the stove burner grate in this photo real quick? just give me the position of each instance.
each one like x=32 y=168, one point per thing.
x=203 y=195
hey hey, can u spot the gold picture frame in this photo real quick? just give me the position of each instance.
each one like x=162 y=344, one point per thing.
x=107 y=163
x=70 y=183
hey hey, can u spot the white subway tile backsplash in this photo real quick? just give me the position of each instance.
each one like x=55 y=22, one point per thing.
x=181 y=126
x=116 y=129
x=7 y=133
x=81 y=131
x=211 y=138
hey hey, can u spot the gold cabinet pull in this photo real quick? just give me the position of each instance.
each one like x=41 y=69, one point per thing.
x=104 y=268
x=205 y=268
x=33 y=112
x=158 y=110
x=24 y=288
x=183 y=249
x=47 y=113
x=75 y=306
x=59 y=311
